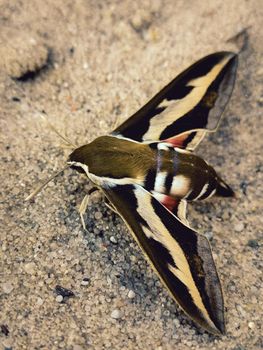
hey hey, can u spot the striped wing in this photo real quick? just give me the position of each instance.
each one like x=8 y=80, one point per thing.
x=188 y=107
x=181 y=257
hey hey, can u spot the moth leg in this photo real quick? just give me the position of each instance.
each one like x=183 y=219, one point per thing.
x=82 y=209
x=111 y=207
x=84 y=204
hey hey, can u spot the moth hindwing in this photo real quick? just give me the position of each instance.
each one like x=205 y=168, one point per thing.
x=147 y=170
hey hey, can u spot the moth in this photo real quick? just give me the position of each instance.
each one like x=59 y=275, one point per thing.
x=148 y=171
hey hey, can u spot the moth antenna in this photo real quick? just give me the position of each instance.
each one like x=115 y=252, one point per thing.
x=42 y=115
x=41 y=186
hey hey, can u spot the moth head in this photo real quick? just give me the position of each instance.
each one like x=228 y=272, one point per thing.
x=80 y=158
x=94 y=156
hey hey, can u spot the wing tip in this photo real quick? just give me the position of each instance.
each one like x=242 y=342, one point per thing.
x=219 y=330
x=224 y=190
x=232 y=57
x=215 y=329
x=223 y=53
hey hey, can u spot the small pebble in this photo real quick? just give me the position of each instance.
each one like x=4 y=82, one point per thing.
x=30 y=268
x=85 y=65
x=59 y=298
x=131 y=294
x=4 y=329
x=85 y=281
x=239 y=227
x=251 y=325
x=113 y=240
x=232 y=288
x=7 y=287
x=166 y=313
x=225 y=215
x=253 y=243
x=64 y=292
x=133 y=258
x=39 y=301
x=98 y=215
x=116 y=314
x=176 y=322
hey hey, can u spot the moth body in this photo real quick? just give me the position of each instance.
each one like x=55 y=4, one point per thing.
x=158 y=167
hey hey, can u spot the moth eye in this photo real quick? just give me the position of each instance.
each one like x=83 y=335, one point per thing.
x=78 y=168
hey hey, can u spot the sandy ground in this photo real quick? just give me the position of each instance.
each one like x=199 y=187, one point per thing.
x=99 y=61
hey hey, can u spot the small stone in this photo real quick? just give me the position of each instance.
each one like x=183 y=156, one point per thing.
x=116 y=314
x=113 y=240
x=253 y=243
x=133 y=258
x=239 y=227
x=64 y=292
x=232 y=288
x=98 y=215
x=30 y=268
x=85 y=281
x=251 y=325
x=166 y=313
x=59 y=298
x=176 y=323
x=7 y=287
x=131 y=294
x=225 y=215
x=39 y=301
x=4 y=329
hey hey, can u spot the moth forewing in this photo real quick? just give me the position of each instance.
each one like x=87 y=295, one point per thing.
x=180 y=256
x=195 y=99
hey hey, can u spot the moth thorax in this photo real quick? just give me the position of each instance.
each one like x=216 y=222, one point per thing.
x=112 y=157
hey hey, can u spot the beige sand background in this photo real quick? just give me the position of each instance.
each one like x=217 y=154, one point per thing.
x=102 y=60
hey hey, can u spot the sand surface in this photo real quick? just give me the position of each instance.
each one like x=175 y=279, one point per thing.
x=89 y=65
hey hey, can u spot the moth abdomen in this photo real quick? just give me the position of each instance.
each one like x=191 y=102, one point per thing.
x=223 y=189
x=181 y=174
